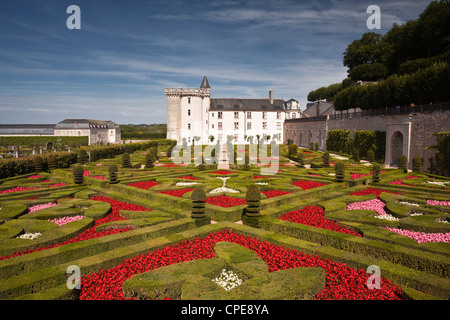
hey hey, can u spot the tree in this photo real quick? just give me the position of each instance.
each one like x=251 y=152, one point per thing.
x=82 y=156
x=340 y=171
x=78 y=176
x=38 y=164
x=149 y=158
x=403 y=163
x=126 y=161
x=363 y=51
x=326 y=159
x=112 y=170
x=198 y=198
x=417 y=164
x=376 y=173
x=253 y=198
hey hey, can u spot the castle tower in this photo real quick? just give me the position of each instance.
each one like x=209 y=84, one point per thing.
x=187 y=113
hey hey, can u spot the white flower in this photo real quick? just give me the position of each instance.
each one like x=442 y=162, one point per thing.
x=262 y=183
x=29 y=235
x=228 y=280
x=409 y=203
x=186 y=183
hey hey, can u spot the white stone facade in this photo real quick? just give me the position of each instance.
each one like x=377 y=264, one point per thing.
x=192 y=114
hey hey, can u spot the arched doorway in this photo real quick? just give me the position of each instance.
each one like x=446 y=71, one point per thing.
x=300 y=139
x=396 y=147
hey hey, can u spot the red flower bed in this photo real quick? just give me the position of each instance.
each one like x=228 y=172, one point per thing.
x=224 y=201
x=223 y=172
x=18 y=189
x=341 y=282
x=305 y=185
x=259 y=177
x=177 y=193
x=367 y=191
x=188 y=177
x=91 y=233
x=315 y=216
x=274 y=193
x=143 y=184
x=400 y=181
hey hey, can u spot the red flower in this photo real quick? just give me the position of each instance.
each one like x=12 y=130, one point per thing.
x=367 y=191
x=177 y=192
x=223 y=172
x=305 y=185
x=188 y=177
x=224 y=201
x=144 y=184
x=341 y=282
x=315 y=216
x=274 y=193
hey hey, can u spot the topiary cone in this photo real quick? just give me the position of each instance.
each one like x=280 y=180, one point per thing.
x=112 y=170
x=253 y=201
x=78 y=174
x=51 y=163
x=126 y=160
x=198 y=198
x=340 y=171
x=376 y=173
x=38 y=164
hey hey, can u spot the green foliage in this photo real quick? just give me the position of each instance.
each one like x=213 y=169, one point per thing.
x=253 y=201
x=292 y=151
x=51 y=162
x=369 y=72
x=126 y=161
x=316 y=146
x=78 y=174
x=326 y=159
x=417 y=164
x=112 y=170
x=327 y=93
x=38 y=164
x=301 y=160
x=376 y=173
x=149 y=158
x=41 y=141
x=355 y=155
x=82 y=156
x=94 y=156
x=403 y=163
x=340 y=171
x=339 y=141
x=143 y=131
x=198 y=198
x=442 y=158
x=370 y=156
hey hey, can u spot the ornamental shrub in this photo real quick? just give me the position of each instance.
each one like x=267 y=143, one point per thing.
x=316 y=146
x=149 y=160
x=82 y=156
x=126 y=160
x=370 y=156
x=38 y=164
x=356 y=154
x=112 y=170
x=326 y=159
x=198 y=198
x=301 y=160
x=403 y=163
x=340 y=171
x=417 y=164
x=311 y=146
x=78 y=174
x=376 y=173
x=51 y=161
x=94 y=156
x=292 y=150
x=253 y=200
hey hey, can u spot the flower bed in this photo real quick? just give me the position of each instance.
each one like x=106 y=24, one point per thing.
x=224 y=201
x=342 y=282
x=91 y=233
x=438 y=203
x=41 y=206
x=223 y=172
x=367 y=191
x=177 y=193
x=305 y=185
x=143 y=184
x=400 y=181
x=421 y=237
x=188 y=177
x=18 y=189
x=65 y=220
x=315 y=216
x=375 y=205
x=274 y=193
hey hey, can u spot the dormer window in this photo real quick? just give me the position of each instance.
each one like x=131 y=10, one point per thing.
x=189 y=100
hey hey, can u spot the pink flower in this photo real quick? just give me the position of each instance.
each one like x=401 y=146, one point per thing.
x=421 y=237
x=64 y=220
x=41 y=206
x=438 y=203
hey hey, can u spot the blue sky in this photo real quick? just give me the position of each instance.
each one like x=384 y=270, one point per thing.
x=117 y=65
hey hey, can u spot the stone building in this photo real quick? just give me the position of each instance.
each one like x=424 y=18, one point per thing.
x=193 y=115
x=409 y=131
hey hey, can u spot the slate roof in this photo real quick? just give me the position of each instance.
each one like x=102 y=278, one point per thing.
x=205 y=84
x=26 y=129
x=232 y=104
x=84 y=124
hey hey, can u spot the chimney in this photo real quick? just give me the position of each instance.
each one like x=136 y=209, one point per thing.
x=271 y=96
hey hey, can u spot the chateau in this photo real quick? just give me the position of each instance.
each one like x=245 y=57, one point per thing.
x=193 y=115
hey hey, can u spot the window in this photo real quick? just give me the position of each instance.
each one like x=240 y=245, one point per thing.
x=249 y=115
x=294 y=115
x=264 y=115
x=219 y=125
x=189 y=126
x=64 y=132
x=189 y=112
x=236 y=115
x=279 y=137
x=71 y=133
x=236 y=126
x=212 y=126
x=212 y=114
x=264 y=125
x=278 y=125
x=278 y=115
x=249 y=126
x=189 y=100
x=79 y=133
x=219 y=115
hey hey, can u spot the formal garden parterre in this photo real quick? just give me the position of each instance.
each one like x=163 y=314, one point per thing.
x=141 y=227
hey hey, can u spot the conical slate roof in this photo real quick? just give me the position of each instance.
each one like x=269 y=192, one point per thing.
x=205 y=84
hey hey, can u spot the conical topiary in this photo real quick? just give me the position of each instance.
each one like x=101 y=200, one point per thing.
x=198 y=198
x=94 y=156
x=82 y=156
x=300 y=160
x=340 y=171
x=112 y=170
x=38 y=164
x=78 y=174
x=417 y=164
x=326 y=159
x=370 y=156
x=253 y=201
x=51 y=160
x=149 y=158
x=376 y=173
x=126 y=160
x=403 y=163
